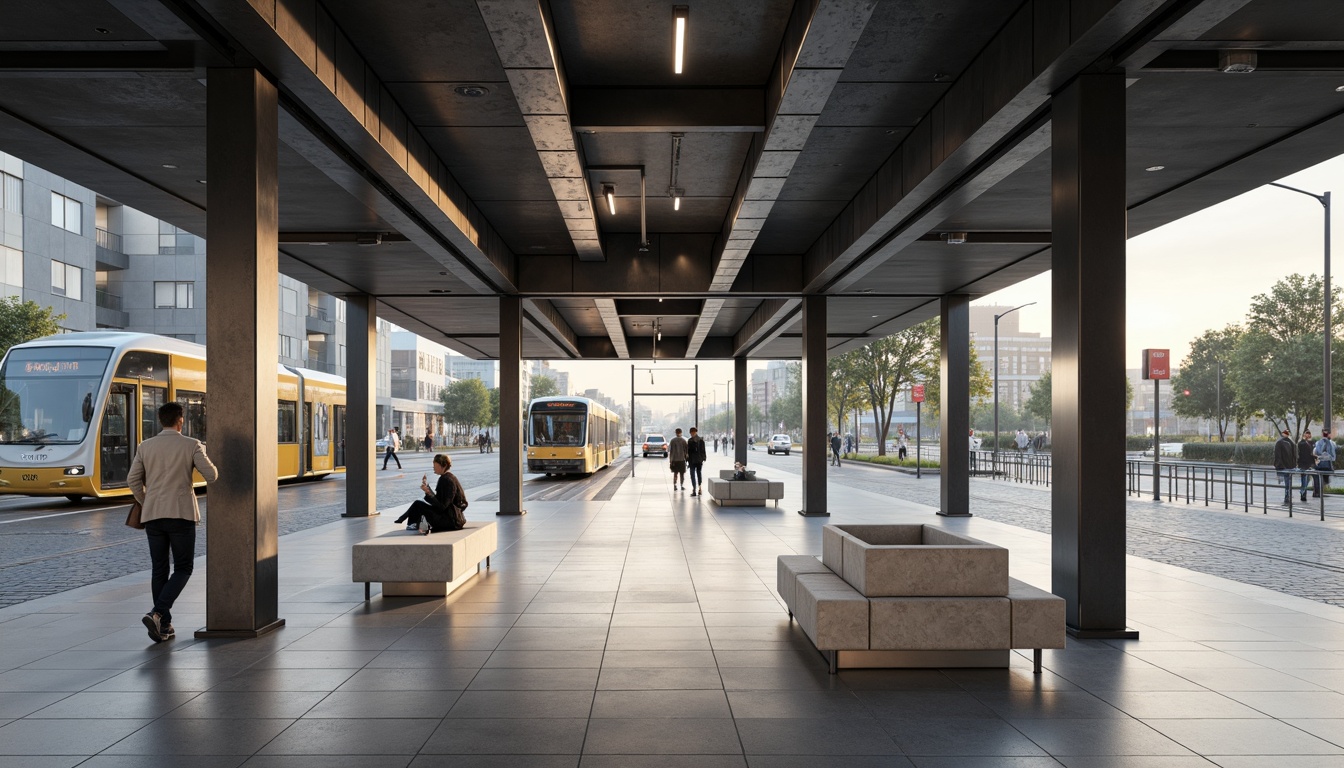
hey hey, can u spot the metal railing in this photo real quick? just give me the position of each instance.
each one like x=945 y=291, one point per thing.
x=109 y=240
x=106 y=300
x=1232 y=485
x=317 y=312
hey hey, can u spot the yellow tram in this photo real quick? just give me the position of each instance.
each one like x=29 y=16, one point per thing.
x=73 y=408
x=571 y=435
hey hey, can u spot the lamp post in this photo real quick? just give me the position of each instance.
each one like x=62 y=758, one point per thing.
x=1324 y=200
x=995 y=467
x=728 y=402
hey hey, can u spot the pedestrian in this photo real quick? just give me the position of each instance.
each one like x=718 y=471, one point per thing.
x=1021 y=439
x=393 y=445
x=716 y=443
x=751 y=442
x=1325 y=453
x=160 y=479
x=695 y=456
x=480 y=442
x=835 y=449
x=444 y=506
x=975 y=446
x=1285 y=459
x=849 y=443
x=429 y=439
x=1306 y=461
x=902 y=445
x=676 y=460
x=489 y=443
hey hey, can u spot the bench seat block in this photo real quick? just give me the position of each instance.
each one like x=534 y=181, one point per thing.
x=787 y=570
x=400 y=556
x=940 y=623
x=1038 y=616
x=832 y=614
x=928 y=562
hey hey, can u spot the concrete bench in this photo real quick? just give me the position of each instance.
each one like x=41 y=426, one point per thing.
x=929 y=598
x=728 y=492
x=409 y=564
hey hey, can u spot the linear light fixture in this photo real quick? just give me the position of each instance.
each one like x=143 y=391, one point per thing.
x=673 y=190
x=679 y=14
x=676 y=203
x=609 y=192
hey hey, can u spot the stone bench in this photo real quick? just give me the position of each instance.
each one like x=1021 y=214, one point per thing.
x=915 y=596
x=409 y=564
x=728 y=492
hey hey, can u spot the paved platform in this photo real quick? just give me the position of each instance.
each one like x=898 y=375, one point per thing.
x=644 y=631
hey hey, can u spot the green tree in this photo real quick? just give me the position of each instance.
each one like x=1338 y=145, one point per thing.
x=889 y=365
x=22 y=321
x=982 y=386
x=494 y=408
x=544 y=386
x=1039 y=405
x=466 y=403
x=1209 y=398
x=844 y=387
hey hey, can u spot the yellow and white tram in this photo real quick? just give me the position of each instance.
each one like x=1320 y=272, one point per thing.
x=571 y=435
x=74 y=407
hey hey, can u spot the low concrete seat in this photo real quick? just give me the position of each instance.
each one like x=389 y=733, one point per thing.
x=831 y=612
x=789 y=568
x=408 y=564
x=744 y=493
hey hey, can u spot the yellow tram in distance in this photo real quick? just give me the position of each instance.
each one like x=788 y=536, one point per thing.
x=571 y=435
x=74 y=407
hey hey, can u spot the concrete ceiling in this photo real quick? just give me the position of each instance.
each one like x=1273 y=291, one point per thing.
x=823 y=145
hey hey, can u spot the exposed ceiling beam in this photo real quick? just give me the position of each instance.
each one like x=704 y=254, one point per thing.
x=662 y=110
x=1176 y=23
x=549 y=324
x=606 y=308
x=183 y=55
x=988 y=238
x=703 y=324
x=525 y=43
x=767 y=322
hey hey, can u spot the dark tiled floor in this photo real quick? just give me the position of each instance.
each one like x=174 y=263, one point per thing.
x=644 y=631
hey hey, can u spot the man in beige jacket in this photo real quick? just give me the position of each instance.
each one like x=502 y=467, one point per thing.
x=161 y=481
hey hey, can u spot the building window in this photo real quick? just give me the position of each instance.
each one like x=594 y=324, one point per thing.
x=340 y=311
x=11 y=195
x=170 y=295
x=289 y=301
x=11 y=270
x=67 y=280
x=66 y=213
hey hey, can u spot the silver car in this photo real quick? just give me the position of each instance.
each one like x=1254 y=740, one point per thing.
x=779 y=443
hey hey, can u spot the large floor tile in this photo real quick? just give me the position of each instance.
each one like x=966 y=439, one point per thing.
x=469 y=736
x=1102 y=736
x=792 y=736
x=352 y=736
x=1244 y=737
x=660 y=704
x=988 y=738
x=659 y=736
x=523 y=704
x=64 y=737
x=181 y=736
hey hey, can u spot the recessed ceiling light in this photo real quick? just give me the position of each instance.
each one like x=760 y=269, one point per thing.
x=609 y=192
x=169 y=165
x=941 y=77
x=892 y=132
x=1152 y=168
x=679 y=14
x=200 y=181
x=471 y=91
x=1339 y=89
x=876 y=316
x=102 y=30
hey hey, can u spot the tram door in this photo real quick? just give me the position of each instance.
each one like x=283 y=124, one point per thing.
x=151 y=400
x=117 y=436
x=338 y=433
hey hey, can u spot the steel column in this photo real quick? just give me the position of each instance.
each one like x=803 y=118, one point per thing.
x=1088 y=289
x=740 y=389
x=361 y=379
x=242 y=293
x=511 y=406
x=814 y=407
x=955 y=379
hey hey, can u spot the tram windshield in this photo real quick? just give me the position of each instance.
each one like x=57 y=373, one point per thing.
x=48 y=395
x=552 y=428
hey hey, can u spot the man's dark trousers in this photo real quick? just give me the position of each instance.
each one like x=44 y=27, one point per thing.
x=176 y=537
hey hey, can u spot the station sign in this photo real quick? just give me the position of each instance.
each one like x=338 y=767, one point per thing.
x=917 y=393
x=1156 y=364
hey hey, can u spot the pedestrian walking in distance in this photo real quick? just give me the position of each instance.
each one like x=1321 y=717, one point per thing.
x=393 y=445
x=1325 y=452
x=1285 y=459
x=1306 y=461
x=695 y=457
x=676 y=460
x=161 y=480
x=835 y=449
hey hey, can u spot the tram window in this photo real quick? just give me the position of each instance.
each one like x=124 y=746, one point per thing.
x=143 y=365
x=287 y=421
x=194 y=405
x=151 y=400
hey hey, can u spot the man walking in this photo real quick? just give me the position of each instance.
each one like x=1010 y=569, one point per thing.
x=835 y=449
x=1325 y=453
x=1285 y=458
x=676 y=459
x=393 y=445
x=695 y=456
x=1306 y=461
x=160 y=479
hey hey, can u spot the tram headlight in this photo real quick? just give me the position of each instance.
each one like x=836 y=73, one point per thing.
x=74 y=470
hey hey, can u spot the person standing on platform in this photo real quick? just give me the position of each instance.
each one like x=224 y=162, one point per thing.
x=835 y=449
x=1285 y=459
x=160 y=479
x=393 y=445
x=429 y=439
x=716 y=443
x=1022 y=440
x=1306 y=461
x=489 y=443
x=695 y=456
x=676 y=460
x=902 y=445
x=1325 y=453
x=849 y=443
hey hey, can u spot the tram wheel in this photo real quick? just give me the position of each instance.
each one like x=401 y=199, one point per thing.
x=74 y=497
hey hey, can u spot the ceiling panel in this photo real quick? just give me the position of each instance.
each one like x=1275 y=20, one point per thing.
x=444 y=40
x=795 y=224
x=438 y=104
x=912 y=40
x=492 y=163
x=886 y=105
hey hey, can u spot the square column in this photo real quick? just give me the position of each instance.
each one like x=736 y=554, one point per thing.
x=740 y=388
x=361 y=378
x=814 y=407
x=242 y=296
x=511 y=448
x=1088 y=317
x=954 y=371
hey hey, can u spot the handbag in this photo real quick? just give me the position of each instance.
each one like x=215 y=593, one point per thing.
x=133 y=517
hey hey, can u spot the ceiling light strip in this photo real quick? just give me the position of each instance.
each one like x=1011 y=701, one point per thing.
x=680 y=13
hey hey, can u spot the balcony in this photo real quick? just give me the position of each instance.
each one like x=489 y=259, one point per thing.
x=109 y=255
x=315 y=364
x=318 y=323
x=107 y=310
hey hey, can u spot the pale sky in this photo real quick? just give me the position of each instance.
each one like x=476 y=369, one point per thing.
x=1196 y=273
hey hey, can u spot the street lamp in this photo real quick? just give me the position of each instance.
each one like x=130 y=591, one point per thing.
x=728 y=400
x=1324 y=200
x=996 y=383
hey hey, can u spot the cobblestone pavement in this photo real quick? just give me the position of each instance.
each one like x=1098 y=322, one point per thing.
x=49 y=546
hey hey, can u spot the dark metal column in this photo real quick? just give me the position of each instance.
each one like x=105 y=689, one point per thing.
x=1088 y=318
x=242 y=293
x=511 y=406
x=361 y=380
x=741 y=386
x=814 y=407
x=955 y=380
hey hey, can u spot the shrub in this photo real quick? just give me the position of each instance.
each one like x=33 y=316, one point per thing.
x=1230 y=453
x=891 y=461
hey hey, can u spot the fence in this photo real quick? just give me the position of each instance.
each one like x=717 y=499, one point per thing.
x=1248 y=487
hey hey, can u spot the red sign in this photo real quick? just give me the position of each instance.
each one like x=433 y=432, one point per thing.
x=917 y=393
x=1157 y=364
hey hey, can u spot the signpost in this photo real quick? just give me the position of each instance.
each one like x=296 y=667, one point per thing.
x=917 y=395
x=1156 y=367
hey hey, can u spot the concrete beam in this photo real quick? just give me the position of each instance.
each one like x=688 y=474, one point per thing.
x=548 y=323
x=662 y=110
x=765 y=324
x=606 y=308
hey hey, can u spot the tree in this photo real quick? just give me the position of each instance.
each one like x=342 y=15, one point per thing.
x=22 y=321
x=544 y=386
x=466 y=403
x=1199 y=375
x=493 y=420
x=889 y=365
x=982 y=385
x=1040 y=404
x=844 y=387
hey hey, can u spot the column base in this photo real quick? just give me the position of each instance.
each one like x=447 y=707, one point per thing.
x=502 y=513
x=1102 y=634
x=367 y=514
x=238 y=634
x=805 y=513
x=941 y=513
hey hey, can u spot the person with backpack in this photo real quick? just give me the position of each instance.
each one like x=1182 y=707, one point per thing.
x=444 y=506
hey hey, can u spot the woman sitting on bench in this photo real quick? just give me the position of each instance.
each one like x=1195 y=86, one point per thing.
x=444 y=505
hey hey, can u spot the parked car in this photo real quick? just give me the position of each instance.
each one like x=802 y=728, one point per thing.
x=779 y=443
x=655 y=444
x=380 y=445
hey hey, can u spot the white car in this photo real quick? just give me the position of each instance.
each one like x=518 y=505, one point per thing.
x=655 y=444
x=781 y=443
